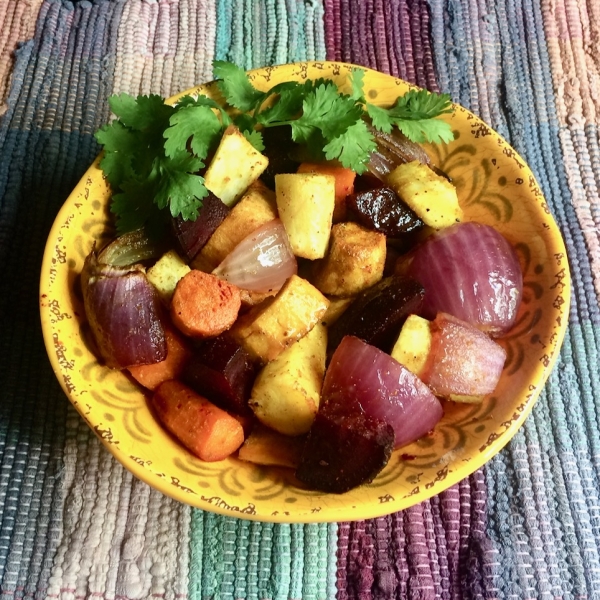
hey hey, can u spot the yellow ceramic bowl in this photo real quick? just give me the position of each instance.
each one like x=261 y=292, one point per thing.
x=495 y=186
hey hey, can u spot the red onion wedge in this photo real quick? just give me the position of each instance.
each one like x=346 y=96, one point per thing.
x=463 y=360
x=262 y=261
x=363 y=377
x=469 y=270
x=122 y=308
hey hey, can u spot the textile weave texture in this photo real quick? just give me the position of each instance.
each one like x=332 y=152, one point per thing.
x=74 y=524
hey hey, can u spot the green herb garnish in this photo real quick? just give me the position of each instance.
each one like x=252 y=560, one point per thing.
x=153 y=152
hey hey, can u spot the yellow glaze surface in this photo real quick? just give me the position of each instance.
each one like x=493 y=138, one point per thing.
x=495 y=186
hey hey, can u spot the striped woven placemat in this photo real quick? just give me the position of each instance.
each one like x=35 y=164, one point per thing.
x=75 y=524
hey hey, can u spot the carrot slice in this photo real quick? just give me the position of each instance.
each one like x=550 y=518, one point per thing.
x=344 y=184
x=178 y=353
x=204 y=305
x=204 y=429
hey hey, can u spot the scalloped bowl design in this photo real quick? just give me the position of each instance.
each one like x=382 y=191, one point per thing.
x=495 y=186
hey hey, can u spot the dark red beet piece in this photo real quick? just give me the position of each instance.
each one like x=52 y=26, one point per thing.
x=222 y=371
x=278 y=149
x=382 y=210
x=192 y=235
x=377 y=314
x=344 y=450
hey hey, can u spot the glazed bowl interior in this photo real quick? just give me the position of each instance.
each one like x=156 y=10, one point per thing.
x=495 y=186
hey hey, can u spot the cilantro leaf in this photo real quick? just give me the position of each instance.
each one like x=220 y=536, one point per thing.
x=256 y=139
x=356 y=80
x=327 y=110
x=352 y=148
x=121 y=146
x=426 y=130
x=178 y=185
x=198 y=123
x=287 y=105
x=420 y=104
x=141 y=113
x=133 y=206
x=236 y=87
x=380 y=118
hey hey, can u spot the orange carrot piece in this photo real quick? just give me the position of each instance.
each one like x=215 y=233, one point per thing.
x=178 y=352
x=204 y=305
x=204 y=429
x=344 y=184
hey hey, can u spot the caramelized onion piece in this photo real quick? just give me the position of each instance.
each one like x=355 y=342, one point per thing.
x=122 y=308
x=130 y=248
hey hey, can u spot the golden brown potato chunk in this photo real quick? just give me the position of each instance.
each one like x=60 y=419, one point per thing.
x=269 y=328
x=354 y=262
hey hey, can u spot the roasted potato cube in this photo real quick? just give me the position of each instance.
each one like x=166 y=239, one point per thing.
x=269 y=328
x=235 y=165
x=255 y=208
x=267 y=447
x=165 y=274
x=305 y=202
x=431 y=196
x=413 y=346
x=286 y=392
x=336 y=308
x=354 y=262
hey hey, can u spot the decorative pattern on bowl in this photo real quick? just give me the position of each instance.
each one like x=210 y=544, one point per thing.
x=495 y=186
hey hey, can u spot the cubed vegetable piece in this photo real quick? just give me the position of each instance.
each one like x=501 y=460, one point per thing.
x=235 y=165
x=344 y=184
x=465 y=363
x=269 y=328
x=354 y=261
x=382 y=210
x=192 y=235
x=305 y=202
x=255 y=208
x=344 y=450
x=166 y=273
x=204 y=305
x=432 y=197
x=336 y=308
x=286 y=393
x=204 y=429
x=222 y=371
x=178 y=353
x=377 y=314
x=413 y=346
x=267 y=447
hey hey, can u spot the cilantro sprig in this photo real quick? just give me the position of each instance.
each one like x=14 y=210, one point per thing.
x=154 y=153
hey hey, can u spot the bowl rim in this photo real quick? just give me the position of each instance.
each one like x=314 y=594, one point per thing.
x=372 y=510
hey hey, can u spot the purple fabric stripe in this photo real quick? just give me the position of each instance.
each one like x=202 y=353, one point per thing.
x=392 y=36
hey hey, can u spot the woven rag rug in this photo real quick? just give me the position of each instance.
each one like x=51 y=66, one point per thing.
x=74 y=524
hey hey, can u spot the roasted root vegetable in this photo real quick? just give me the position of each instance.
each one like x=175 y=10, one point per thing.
x=354 y=261
x=344 y=449
x=166 y=273
x=178 y=353
x=123 y=310
x=344 y=184
x=235 y=165
x=204 y=305
x=267 y=447
x=286 y=393
x=269 y=328
x=305 y=202
x=204 y=429
x=255 y=208
x=222 y=371
x=431 y=196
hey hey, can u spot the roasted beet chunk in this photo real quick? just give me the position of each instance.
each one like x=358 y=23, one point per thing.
x=344 y=450
x=192 y=235
x=382 y=209
x=222 y=371
x=279 y=148
x=377 y=314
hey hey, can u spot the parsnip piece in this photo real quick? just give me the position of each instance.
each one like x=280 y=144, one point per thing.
x=305 y=202
x=414 y=344
x=286 y=392
x=269 y=328
x=354 y=262
x=267 y=447
x=235 y=165
x=336 y=308
x=430 y=195
x=165 y=274
x=255 y=208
